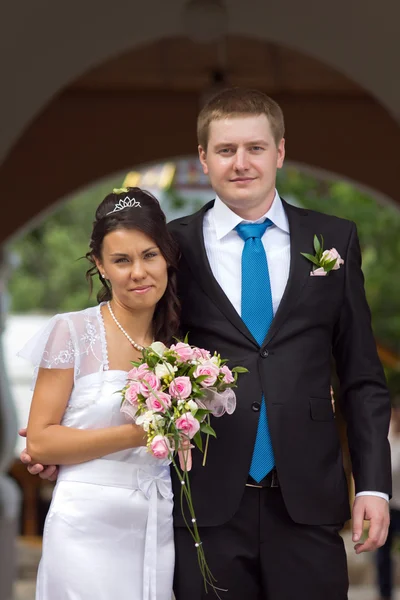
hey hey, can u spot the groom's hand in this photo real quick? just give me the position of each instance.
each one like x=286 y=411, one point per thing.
x=376 y=511
x=49 y=472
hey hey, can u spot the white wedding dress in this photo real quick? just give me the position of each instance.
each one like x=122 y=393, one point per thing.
x=108 y=533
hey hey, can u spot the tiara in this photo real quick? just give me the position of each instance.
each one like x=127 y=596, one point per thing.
x=125 y=203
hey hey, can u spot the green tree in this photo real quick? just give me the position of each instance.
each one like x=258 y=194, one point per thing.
x=50 y=272
x=378 y=228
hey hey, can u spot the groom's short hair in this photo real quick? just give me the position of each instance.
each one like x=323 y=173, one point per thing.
x=239 y=102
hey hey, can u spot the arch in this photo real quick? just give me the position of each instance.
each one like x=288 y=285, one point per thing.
x=76 y=141
x=359 y=40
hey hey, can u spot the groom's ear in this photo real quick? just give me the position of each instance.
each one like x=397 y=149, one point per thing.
x=281 y=153
x=203 y=159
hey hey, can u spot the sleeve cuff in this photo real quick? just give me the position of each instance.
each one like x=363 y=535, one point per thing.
x=378 y=494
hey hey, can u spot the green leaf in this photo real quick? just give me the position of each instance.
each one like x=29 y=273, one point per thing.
x=310 y=257
x=205 y=428
x=239 y=370
x=191 y=371
x=202 y=412
x=322 y=247
x=198 y=441
x=201 y=378
x=328 y=266
x=317 y=245
x=196 y=389
x=152 y=360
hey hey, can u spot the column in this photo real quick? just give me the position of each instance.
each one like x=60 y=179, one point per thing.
x=10 y=497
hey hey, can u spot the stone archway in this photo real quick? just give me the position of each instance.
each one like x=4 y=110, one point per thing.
x=57 y=44
x=141 y=106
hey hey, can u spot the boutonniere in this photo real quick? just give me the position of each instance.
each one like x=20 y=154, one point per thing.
x=324 y=260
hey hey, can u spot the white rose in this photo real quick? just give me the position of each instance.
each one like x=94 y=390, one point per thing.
x=145 y=420
x=332 y=254
x=214 y=360
x=159 y=348
x=191 y=405
x=157 y=420
x=164 y=370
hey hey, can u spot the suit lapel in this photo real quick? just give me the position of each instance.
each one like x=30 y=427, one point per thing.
x=300 y=241
x=191 y=241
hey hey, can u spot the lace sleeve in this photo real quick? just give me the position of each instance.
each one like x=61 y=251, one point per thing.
x=53 y=347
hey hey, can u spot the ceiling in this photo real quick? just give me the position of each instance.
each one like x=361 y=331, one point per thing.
x=48 y=47
x=180 y=64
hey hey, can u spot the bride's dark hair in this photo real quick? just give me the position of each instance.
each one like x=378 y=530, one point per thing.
x=150 y=220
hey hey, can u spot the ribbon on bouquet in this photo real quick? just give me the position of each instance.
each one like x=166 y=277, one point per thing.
x=218 y=403
x=152 y=484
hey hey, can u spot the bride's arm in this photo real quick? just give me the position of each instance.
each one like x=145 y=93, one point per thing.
x=50 y=443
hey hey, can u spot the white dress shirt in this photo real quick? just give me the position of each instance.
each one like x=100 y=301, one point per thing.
x=224 y=249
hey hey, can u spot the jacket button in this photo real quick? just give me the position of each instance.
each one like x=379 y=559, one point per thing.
x=256 y=406
x=264 y=353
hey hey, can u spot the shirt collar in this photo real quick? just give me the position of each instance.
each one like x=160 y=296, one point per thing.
x=225 y=220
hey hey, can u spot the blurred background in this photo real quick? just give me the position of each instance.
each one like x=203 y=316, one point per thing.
x=95 y=97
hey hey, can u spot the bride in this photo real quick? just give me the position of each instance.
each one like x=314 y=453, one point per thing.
x=108 y=532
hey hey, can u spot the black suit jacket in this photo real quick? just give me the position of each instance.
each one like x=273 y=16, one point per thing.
x=317 y=316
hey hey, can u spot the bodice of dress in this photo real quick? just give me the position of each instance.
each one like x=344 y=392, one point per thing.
x=95 y=402
x=77 y=340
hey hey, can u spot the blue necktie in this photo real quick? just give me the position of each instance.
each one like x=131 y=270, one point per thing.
x=257 y=314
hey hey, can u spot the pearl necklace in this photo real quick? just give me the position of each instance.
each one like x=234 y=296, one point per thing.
x=133 y=343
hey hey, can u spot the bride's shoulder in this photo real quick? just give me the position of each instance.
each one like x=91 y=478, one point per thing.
x=79 y=317
x=86 y=323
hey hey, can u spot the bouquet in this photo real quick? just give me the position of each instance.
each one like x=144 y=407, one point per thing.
x=172 y=393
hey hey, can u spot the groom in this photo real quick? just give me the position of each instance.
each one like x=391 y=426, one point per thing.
x=273 y=497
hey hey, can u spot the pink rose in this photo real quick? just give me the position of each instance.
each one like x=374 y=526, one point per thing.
x=158 y=403
x=138 y=372
x=131 y=394
x=201 y=353
x=183 y=351
x=228 y=377
x=132 y=373
x=151 y=380
x=188 y=424
x=160 y=447
x=180 y=388
x=332 y=254
x=319 y=272
x=212 y=372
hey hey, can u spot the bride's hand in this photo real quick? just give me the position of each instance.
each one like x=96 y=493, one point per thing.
x=49 y=472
